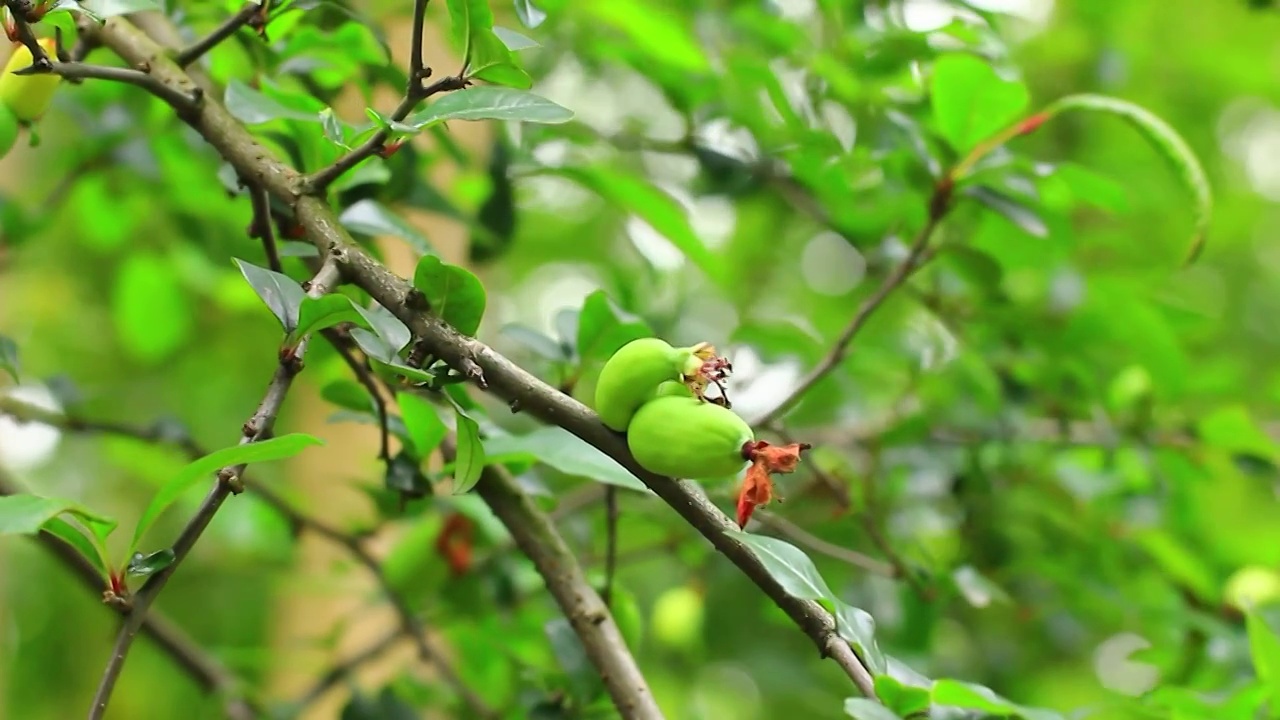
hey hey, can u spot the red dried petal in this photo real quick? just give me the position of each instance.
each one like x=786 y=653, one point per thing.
x=757 y=490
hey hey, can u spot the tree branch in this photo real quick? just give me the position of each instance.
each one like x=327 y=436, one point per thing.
x=181 y=101
x=492 y=371
x=261 y=226
x=258 y=427
x=228 y=28
x=408 y=622
x=916 y=256
x=207 y=672
x=18 y=10
x=582 y=606
x=345 y=668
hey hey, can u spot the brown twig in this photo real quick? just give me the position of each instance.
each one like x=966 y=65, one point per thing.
x=258 y=427
x=197 y=50
x=19 y=10
x=208 y=673
x=345 y=668
x=261 y=227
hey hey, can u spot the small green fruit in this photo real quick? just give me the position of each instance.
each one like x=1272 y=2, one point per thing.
x=1252 y=586
x=677 y=617
x=8 y=130
x=685 y=437
x=631 y=375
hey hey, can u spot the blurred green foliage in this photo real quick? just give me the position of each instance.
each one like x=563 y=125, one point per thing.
x=1056 y=436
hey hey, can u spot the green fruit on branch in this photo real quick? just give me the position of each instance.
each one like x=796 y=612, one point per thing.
x=8 y=130
x=28 y=96
x=631 y=376
x=685 y=437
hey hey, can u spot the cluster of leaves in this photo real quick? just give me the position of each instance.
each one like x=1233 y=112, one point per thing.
x=1012 y=551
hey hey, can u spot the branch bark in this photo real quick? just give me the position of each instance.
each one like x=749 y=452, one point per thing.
x=486 y=368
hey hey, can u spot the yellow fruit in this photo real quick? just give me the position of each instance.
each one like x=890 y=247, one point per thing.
x=1252 y=586
x=28 y=96
x=8 y=131
x=685 y=437
x=631 y=375
x=677 y=617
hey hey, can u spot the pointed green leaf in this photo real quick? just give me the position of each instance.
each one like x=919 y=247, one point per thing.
x=9 y=357
x=318 y=313
x=858 y=628
x=26 y=514
x=372 y=218
x=490 y=103
x=281 y=293
x=971 y=102
x=864 y=709
x=422 y=422
x=146 y=565
x=277 y=448
x=470 y=454
x=563 y=451
x=77 y=538
x=787 y=564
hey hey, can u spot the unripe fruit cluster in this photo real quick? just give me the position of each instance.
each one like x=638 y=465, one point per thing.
x=655 y=393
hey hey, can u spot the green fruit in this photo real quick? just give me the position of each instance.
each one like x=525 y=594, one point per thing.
x=685 y=437
x=1252 y=586
x=677 y=617
x=8 y=130
x=630 y=377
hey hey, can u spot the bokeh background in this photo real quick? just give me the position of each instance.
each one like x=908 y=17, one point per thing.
x=1062 y=432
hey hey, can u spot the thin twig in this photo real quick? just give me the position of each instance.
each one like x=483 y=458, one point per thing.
x=418 y=70
x=258 y=427
x=228 y=28
x=345 y=668
x=18 y=10
x=183 y=101
x=610 y=542
x=831 y=361
x=410 y=626
x=343 y=343
x=208 y=673
x=261 y=226
x=581 y=605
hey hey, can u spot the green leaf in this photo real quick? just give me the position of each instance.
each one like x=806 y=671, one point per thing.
x=584 y=681
x=277 y=448
x=514 y=40
x=455 y=294
x=603 y=327
x=492 y=61
x=1010 y=208
x=146 y=565
x=318 y=313
x=281 y=293
x=9 y=357
x=530 y=16
x=661 y=211
x=976 y=588
x=86 y=545
x=470 y=460
x=1264 y=649
x=971 y=697
x=333 y=131
x=490 y=103
x=564 y=451
x=404 y=476
x=864 y=709
x=542 y=345
x=348 y=394
x=903 y=699
x=1170 y=145
x=665 y=37
x=858 y=628
x=971 y=102
x=422 y=422
x=787 y=564
x=373 y=345
x=151 y=310
x=387 y=326
x=27 y=514
x=253 y=108
x=372 y=218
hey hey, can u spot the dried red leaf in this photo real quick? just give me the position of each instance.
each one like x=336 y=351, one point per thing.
x=454 y=543
x=757 y=485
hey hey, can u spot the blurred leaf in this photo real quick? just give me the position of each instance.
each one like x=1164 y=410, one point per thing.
x=348 y=394
x=977 y=589
x=147 y=565
x=318 y=313
x=971 y=697
x=404 y=476
x=655 y=207
x=514 y=40
x=151 y=310
x=584 y=681
x=563 y=451
x=1168 y=142
x=857 y=627
x=110 y=8
x=1264 y=648
x=455 y=294
x=864 y=709
x=371 y=218
x=661 y=36
x=281 y=293
x=1011 y=209
x=542 y=345
x=603 y=327
x=530 y=16
x=422 y=422
x=971 y=102
x=87 y=546
x=903 y=699
x=276 y=448
x=470 y=460
x=490 y=103
x=26 y=514
x=9 y=357
x=251 y=107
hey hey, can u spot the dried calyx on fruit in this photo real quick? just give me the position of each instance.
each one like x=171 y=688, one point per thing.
x=632 y=375
x=657 y=394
